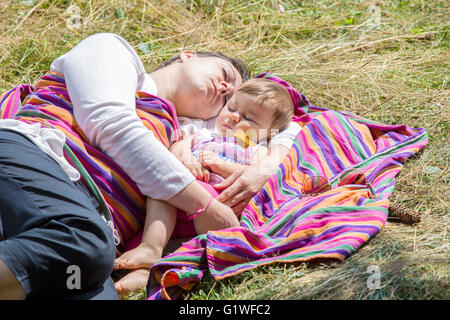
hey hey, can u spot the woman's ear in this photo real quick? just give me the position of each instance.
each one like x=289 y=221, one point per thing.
x=186 y=55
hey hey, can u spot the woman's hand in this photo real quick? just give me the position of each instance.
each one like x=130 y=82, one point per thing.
x=241 y=186
x=217 y=216
x=245 y=182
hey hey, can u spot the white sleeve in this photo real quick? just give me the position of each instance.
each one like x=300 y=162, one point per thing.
x=287 y=136
x=102 y=75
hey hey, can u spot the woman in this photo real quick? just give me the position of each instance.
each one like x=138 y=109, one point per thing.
x=102 y=74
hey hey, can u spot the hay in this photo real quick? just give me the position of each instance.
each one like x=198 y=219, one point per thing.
x=385 y=60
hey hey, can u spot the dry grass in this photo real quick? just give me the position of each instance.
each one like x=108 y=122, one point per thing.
x=394 y=72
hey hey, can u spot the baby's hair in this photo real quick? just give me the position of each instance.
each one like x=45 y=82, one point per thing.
x=272 y=95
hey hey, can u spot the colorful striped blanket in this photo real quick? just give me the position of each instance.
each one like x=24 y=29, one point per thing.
x=282 y=225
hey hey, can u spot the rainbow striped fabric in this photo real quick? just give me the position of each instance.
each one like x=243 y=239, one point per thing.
x=48 y=103
x=282 y=225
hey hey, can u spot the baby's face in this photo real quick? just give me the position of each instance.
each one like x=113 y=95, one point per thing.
x=243 y=113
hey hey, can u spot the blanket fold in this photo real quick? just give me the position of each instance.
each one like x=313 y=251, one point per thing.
x=280 y=224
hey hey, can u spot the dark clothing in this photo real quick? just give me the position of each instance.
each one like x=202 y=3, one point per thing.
x=51 y=235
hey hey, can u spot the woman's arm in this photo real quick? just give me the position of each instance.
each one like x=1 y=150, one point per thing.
x=102 y=75
x=217 y=216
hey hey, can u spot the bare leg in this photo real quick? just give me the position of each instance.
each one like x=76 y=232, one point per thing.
x=159 y=224
x=10 y=288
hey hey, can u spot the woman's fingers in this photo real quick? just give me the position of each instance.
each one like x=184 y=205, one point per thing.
x=228 y=181
x=230 y=192
x=240 y=198
x=241 y=186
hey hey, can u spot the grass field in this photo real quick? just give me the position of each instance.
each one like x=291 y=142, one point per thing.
x=384 y=60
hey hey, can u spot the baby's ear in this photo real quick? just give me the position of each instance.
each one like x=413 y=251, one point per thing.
x=187 y=54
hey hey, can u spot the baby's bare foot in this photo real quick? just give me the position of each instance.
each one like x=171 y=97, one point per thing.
x=142 y=256
x=133 y=281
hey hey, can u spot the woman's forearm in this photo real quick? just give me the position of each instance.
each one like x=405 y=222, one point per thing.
x=217 y=216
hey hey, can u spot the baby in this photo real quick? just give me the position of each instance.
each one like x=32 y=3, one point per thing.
x=258 y=110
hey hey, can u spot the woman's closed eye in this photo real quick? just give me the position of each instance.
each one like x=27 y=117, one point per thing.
x=225 y=74
x=225 y=78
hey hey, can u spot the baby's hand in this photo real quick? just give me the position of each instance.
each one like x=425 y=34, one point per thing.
x=210 y=160
x=196 y=168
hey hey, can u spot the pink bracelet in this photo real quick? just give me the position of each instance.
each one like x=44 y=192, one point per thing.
x=200 y=211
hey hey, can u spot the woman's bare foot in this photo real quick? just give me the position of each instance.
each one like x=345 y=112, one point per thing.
x=133 y=281
x=143 y=256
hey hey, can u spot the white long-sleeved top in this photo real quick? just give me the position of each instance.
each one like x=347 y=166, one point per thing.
x=102 y=74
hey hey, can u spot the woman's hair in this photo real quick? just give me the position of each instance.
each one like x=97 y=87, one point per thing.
x=238 y=64
x=273 y=96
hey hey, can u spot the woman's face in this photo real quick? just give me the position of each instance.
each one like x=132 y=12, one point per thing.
x=207 y=83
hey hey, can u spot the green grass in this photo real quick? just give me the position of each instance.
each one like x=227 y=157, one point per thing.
x=395 y=72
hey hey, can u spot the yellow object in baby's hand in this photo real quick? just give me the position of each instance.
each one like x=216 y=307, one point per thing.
x=243 y=139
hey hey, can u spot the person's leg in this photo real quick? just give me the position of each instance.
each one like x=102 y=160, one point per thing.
x=10 y=288
x=52 y=239
x=159 y=224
